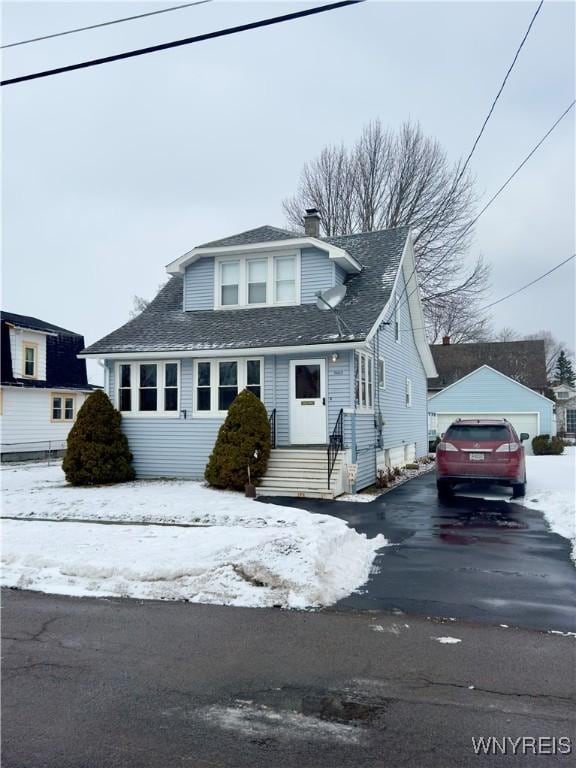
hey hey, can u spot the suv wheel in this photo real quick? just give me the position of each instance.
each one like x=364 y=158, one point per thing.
x=444 y=488
x=518 y=490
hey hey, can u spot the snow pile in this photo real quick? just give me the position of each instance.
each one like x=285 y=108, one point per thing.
x=224 y=548
x=551 y=488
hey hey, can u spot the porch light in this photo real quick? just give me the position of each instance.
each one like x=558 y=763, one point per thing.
x=335 y=356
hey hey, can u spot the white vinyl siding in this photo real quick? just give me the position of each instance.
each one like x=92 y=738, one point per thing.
x=27 y=423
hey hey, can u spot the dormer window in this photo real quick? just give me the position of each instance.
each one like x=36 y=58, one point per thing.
x=230 y=283
x=257 y=281
x=263 y=281
x=30 y=360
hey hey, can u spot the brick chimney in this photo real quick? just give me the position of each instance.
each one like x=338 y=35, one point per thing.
x=446 y=340
x=312 y=223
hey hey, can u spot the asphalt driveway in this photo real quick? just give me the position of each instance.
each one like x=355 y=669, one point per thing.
x=482 y=560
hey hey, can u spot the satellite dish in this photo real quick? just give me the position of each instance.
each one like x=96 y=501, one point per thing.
x=330 y=298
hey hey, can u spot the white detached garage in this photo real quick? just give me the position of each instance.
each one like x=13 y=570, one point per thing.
x=488 y=394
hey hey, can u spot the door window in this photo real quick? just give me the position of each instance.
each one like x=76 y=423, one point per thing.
x=307 y=381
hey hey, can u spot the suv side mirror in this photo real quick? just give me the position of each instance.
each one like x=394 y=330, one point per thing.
x=524 y=436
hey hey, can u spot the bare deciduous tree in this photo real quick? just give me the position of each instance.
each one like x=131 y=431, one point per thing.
x=388 y=180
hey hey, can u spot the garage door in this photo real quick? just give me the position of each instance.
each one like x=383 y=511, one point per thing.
x=522 y=422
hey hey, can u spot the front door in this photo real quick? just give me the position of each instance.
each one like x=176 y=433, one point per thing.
x=307 y=402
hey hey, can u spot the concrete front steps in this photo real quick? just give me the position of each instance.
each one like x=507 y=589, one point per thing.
x=301 y=472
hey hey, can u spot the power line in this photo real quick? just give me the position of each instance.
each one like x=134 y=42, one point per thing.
x=491 y=110
x=523 y=288
x=186 y=41
x=509 y=295
x=492 y=199
x=479 y=136
x=104 y=24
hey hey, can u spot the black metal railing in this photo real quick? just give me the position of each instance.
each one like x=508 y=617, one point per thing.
x=272 y=422
x=335 y=443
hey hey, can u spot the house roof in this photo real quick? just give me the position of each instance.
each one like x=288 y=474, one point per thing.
x=265 y=234
x=33 y=323
x=499 y=373
x=523 y=361
x=63 y=368
x=164 y=326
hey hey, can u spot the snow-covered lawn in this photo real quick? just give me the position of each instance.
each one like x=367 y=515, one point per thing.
x=551 y=488
x=173 y=540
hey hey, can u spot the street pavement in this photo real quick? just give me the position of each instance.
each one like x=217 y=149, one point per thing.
x=92 y=683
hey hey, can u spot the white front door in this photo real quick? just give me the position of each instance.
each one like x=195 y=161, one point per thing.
x=307 y=402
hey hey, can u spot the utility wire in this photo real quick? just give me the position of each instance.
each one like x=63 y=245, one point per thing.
x=479 y=136
x=493 y=105
x=186 y=41
x=513 y=293
x=489 y=203
x=104 y=24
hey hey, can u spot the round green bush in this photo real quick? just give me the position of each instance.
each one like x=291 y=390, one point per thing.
x=544 y=445
x=97 y=451
x=243 y=439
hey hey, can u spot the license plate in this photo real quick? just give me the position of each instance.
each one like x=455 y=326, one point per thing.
x=476 y=457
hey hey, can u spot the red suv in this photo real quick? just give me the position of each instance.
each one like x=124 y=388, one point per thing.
x=483 y=451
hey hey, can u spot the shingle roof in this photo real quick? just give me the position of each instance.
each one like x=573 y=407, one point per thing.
x=164 y=326
x=263 y=234
x=523 y=361
x=63 y=368
x=24 y=321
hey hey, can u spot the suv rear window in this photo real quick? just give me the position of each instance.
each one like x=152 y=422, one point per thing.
x=478 y=433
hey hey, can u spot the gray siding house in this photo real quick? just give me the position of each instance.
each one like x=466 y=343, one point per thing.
x=242 y=312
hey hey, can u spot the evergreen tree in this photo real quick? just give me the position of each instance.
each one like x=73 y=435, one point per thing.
x=564 y=373
x=97 y=452
x=243 y=440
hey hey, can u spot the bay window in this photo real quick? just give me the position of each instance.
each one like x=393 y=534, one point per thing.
x=257 y=281
x=148 y=389
x=364 y=380
x=217 y=382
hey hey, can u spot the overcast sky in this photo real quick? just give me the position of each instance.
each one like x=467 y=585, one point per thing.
x=112 y=172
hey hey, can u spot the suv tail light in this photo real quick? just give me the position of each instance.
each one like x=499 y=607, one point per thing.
x=507 y=448
x=446 y=447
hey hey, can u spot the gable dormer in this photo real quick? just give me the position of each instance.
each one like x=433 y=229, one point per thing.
x=254 y=270
x=28 y=353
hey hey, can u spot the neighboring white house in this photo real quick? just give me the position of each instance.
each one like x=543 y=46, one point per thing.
x=565 y=409
x=43 y=386
x=488 y=394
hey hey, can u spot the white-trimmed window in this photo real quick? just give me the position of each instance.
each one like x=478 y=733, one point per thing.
x=30 y=360
x=148 y=388
x=257 y=281
x=229 y=283
x=408 y=393
x=364 y=380
x=63 y=407
x=382 y=373
x=217 y=382
x=257 y=277
x=285 y=280
x=396 y=319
